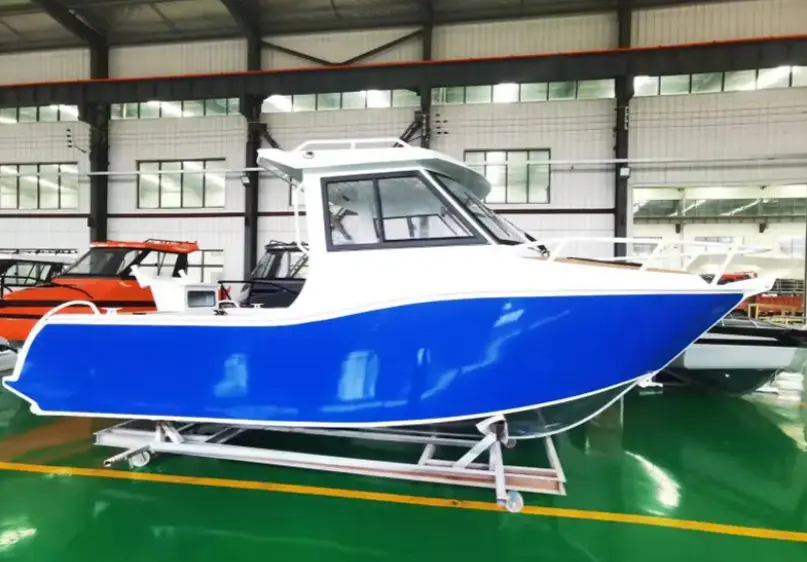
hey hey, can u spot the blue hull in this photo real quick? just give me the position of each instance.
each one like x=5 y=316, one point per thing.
x=401 y=365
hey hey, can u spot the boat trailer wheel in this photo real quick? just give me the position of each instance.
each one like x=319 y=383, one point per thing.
x=514 y=502
x=139 y=460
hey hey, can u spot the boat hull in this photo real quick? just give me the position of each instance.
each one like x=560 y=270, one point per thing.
x=737 y=360
x=419 y=363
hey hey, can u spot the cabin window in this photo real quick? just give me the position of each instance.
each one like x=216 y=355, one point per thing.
x=104 y=262
x=399 y=209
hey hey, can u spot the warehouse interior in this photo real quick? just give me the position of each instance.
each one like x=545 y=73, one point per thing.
x=659 y=121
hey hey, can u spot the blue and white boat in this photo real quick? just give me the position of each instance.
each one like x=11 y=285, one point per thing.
x=420 y=306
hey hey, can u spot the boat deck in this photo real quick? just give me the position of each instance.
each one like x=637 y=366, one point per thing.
x=667 y=475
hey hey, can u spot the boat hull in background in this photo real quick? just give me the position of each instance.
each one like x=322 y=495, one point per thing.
x=419 y=363
x=738 y=357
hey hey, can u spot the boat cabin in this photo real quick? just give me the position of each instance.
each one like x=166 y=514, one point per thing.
x=161 y=258
x=27 y=268
x=390 y=197
x=278 y=278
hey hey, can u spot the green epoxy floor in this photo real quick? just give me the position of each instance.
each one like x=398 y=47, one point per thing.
x=675 y=455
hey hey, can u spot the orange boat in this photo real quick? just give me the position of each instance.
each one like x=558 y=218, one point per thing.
x=101 y=275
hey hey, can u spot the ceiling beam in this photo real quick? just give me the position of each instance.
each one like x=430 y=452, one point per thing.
x=91 y=33
x=556 y=67
x=245 y=13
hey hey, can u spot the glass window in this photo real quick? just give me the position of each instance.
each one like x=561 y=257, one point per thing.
x=740 y=80
x=534 y=92
x=27 y=115
x=69 y=186
x=405 y=98
x=29 y=187
x=304 y=102
x=354 y=100
x=409 y=210
x=215 y=184
x=379 y=98
x=216 y=107
x=438 y=96
x=8 y=115
x=455 y=95
x=412 y=211
x=596 y=89
x=233 y=106
x=274 y=104
x=152 y=109
x=170 y=185
x=193 y=184
x=478 y=94
x=327 y=102
x=49 y=189
x=799 y=79
x=8 y=187
x=131 y=110
x=707 y=83
x=68 y=112
x=675 y=85
x=190 y=184
x=116 y=111
x=515 y=176
x=352 y=213
x=505 y=93
x=49 y=113
x=148 y=185
x=193 y=108
x=206 y=266
x=496 y=225
x=104 y=262
x=562 y=90
x=770 y=78
x=644 y=86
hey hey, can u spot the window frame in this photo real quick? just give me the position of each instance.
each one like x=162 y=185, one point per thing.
x=60 y=184
x=507 y=151
x=202 y=161
x=203 y=267
x=477 y=236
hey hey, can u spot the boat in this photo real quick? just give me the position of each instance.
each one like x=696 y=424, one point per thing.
x=101 y=275
x=740 y=355
x=26 y=268
x=277 y=279
x=421 y=307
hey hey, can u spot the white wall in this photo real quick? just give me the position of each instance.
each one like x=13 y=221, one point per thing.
x=175 y=139
x=719 y=21
x=45 y=66
x=752 y=125
x=185 y=58
x=547 y=35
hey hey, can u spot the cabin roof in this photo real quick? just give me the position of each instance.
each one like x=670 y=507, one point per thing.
x=359 y=156
x=170 y=246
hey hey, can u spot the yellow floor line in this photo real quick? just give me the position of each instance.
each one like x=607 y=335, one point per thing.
x=655 y=521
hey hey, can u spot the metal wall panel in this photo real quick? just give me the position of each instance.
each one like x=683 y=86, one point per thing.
x=572 y=130
x=342 y=46
x=176 y=139
x=548 y=35
x=719 y=21
x=180 y=58
x=45 y=66
x=753 y=126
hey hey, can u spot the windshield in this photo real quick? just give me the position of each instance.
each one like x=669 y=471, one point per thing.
x=104 y=262
x=501 y=229
x=282 y=264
